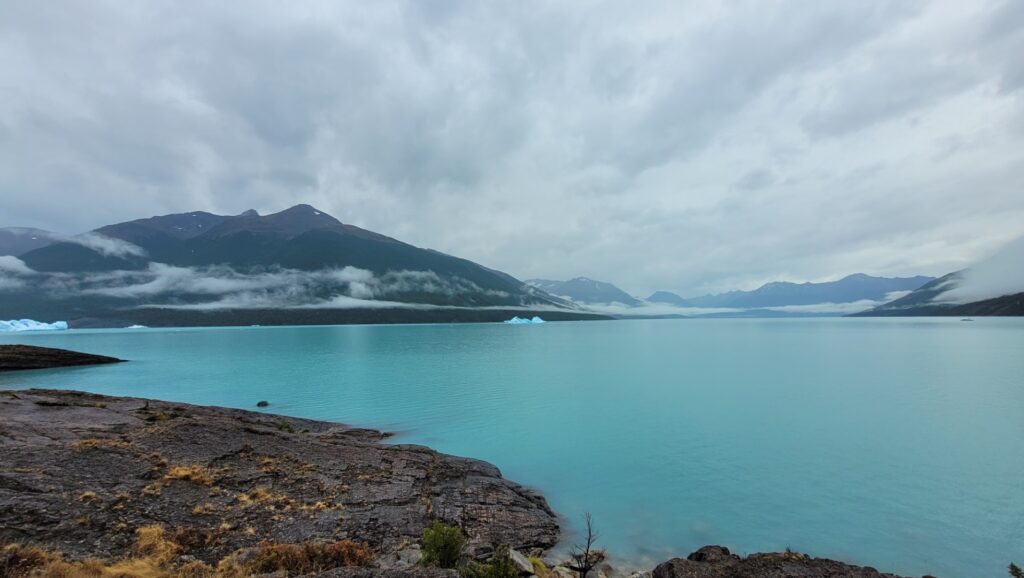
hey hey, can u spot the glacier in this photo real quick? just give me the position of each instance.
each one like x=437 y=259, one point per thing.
x=524 y=321
x=16 y=325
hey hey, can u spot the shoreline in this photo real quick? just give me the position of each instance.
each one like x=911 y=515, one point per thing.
x=237 y=477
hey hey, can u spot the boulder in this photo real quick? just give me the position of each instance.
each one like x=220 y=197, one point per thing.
x=521 y=562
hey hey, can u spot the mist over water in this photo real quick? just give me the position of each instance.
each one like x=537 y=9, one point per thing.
x=893 y=443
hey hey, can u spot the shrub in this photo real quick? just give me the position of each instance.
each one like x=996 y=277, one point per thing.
x=540 y=569
x=499 y=566
x=442 y=545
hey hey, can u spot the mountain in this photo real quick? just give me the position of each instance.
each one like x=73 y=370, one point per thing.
x=584 y=290
x=857 y=287
x=18 y=240
x=668 y=298
x=298 y=260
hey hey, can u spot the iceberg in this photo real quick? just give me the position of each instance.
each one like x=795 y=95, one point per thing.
x=15 y=325
x=524 y=321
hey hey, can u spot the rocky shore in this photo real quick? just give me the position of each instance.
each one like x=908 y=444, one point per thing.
x=18 y=357
x=85 y=475
x=80 y=473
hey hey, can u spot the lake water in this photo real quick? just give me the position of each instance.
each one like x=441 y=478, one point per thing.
x=896 y=443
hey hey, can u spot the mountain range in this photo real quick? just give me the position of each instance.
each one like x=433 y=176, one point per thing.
x=849 y=289
x=302 y=265
x=300 y=260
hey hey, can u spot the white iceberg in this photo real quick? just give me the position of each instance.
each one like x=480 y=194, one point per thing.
x=136 y=327
x=524 y=321
x=15 y=325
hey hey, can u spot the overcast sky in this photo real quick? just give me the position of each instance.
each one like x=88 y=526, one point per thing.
x=688 y=146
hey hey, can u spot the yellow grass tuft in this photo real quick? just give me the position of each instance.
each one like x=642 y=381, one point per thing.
x=192 y=473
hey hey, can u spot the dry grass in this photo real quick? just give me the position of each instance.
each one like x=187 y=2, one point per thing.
x=155 y=553
x=88 y=497
x=191 y=473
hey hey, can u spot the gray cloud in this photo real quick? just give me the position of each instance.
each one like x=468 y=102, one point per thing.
x=622 y=142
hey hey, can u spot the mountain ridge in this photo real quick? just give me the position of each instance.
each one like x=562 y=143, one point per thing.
x=849 y=289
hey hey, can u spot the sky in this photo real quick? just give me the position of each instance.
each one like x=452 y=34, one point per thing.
x=687 y=146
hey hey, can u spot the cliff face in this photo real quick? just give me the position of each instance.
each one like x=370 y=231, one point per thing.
x=79 y=473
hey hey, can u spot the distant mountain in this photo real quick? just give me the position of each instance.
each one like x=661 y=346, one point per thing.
x=857 y=287
x=18 y=240
x=299 y=258
x=584 y=290
x=668 y=298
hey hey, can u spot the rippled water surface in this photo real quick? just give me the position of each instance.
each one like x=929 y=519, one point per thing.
x=897 y=443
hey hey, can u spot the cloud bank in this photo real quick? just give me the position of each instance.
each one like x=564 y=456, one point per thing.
x=1001 y=274
x=695 y=147
x=221 y=287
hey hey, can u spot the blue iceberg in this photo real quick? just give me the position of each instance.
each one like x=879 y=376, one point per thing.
x=15 y=325
x=524 y=321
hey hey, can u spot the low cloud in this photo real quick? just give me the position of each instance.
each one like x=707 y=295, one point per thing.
x=664 y=309
x=221 y=287
x=106 y=246
x=894 y=295
x=1001 y=274
x=13 y=266
x=12 y=269
x=830 y=308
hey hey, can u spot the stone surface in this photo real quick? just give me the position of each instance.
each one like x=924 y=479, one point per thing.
x=718 y=562
x=521 y=562
x=17 y=357
x=80 y=472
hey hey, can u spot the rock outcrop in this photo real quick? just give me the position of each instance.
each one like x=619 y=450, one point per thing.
x=14 y=357
x=79 y=473
x=718 y=562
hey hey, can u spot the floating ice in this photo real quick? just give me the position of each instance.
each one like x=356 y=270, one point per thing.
x=136 y=327
x=30 y=325
x=524 y=321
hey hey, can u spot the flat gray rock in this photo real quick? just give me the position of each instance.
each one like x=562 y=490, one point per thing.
x=80 y=473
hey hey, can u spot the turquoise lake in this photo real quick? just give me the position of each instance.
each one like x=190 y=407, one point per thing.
x=895 y=443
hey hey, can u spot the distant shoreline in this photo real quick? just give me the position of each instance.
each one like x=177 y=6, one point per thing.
x=155 y=317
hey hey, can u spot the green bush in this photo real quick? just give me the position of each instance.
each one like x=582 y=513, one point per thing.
x=442 y=545
x=500 y=566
